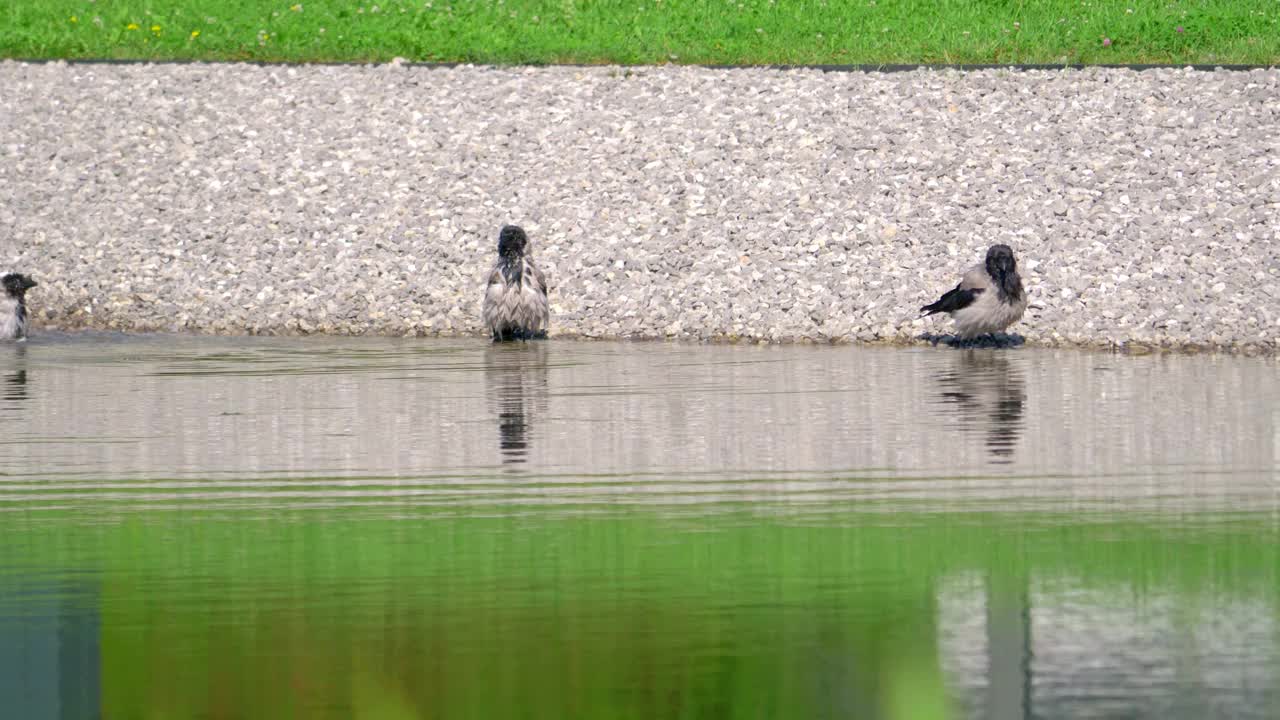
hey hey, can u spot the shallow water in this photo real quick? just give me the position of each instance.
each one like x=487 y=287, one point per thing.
x=206 y=527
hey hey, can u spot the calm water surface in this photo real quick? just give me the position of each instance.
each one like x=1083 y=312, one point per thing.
x=374 y=528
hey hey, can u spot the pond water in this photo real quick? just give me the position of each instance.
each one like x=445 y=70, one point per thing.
x=380 y=528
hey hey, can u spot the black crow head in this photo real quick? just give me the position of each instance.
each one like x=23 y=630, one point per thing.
x=1003 y=270
x=512 y=241
x=1000 y=261
x=17 y=284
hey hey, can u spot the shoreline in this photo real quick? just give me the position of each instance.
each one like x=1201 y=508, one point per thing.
x=1009 y=341
x=669 y=202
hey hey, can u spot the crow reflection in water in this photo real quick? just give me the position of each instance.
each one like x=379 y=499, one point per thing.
x=516 y=375
x=988 y=392
x=13 y=366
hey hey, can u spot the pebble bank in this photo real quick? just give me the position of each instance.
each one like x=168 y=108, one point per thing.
x=662 y=202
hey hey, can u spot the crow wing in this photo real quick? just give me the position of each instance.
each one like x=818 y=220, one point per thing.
x=954 y=299
x=961 y=296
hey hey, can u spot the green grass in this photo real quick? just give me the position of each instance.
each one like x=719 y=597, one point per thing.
x=648 y=31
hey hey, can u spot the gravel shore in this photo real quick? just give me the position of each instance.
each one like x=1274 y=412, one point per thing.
x=662 y=202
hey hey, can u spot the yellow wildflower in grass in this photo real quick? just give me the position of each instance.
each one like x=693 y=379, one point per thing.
x=131 y=26
x=73 y=19
x=195 y=34
x=155 y=29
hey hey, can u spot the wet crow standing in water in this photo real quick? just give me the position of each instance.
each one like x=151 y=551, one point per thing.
x=988 y=299
x=515 y=297
x=13 y=306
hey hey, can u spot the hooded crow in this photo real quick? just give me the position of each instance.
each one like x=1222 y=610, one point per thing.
x=515 y=297
x=988 y=299
x=13 y=306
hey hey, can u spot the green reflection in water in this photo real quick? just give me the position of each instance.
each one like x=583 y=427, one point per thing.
x=636 y=615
